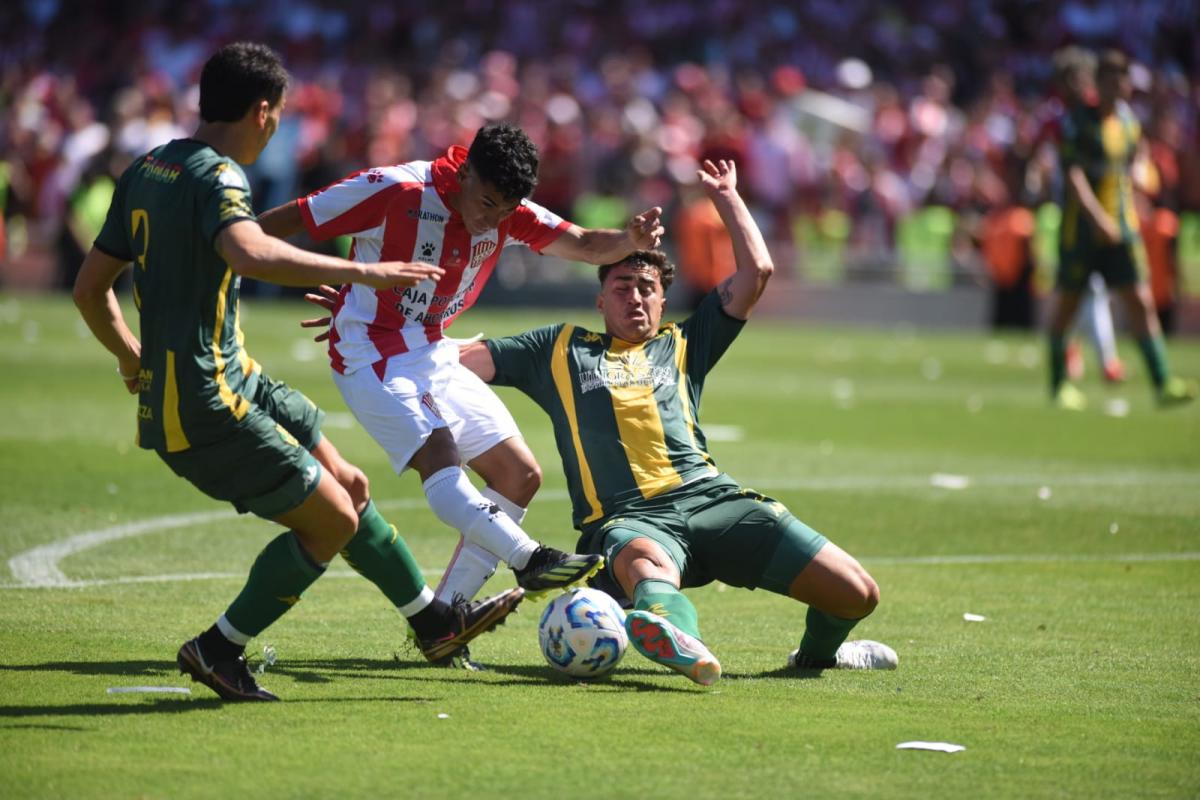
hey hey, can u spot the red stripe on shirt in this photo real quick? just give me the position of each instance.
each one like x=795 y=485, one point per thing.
x=368 y=213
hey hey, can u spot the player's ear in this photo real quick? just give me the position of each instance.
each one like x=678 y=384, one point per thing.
x=261 y=112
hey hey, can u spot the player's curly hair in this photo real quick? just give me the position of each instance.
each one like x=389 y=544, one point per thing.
x=655 y=259
x=504 y=156
x=236 y=77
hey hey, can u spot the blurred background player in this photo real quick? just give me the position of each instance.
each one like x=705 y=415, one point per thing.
x=1099 y=231
x=645 y=492
x=182 y=213
x=398 y=374
x=1075 y=79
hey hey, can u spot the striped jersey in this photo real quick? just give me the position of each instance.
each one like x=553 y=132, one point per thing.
x=402 y=213
x=1105 y=149
x=166 y=212
x=626 y=416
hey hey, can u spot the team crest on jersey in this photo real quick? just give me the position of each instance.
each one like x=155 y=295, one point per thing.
x=428 y=401
x=480 y=251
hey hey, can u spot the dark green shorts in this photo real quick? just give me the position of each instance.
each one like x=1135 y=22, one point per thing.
x=1120 y=265
x=714 y=531
x=266 y=467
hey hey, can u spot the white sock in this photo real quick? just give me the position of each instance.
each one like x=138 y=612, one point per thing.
x=1097 y=320
x=231 y=633
x=417 y=604
x=481 y=521
x=471 y=565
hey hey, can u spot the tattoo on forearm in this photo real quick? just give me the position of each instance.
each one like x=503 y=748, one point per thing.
x=725 y=290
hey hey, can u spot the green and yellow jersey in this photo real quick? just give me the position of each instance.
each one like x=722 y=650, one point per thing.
x=1104 y=148
x=165 y=215
x=625 y=415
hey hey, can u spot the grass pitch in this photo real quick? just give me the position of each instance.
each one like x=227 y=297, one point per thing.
x=933 y=458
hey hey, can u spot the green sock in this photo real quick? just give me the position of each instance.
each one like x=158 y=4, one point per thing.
x=1154 y=351
x=824 y=634
x=279 y=576
x=1058 y=361
x=660 y=597
x=380 y=554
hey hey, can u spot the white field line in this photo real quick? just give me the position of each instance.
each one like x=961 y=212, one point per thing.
x=39 y=567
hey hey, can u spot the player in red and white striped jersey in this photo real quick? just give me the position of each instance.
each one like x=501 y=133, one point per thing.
x=395 y=369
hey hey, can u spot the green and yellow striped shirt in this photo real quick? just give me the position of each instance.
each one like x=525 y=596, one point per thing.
x=625 y=416
x=165 y=215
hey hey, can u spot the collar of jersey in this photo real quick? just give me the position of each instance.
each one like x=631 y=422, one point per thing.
x=445 y=175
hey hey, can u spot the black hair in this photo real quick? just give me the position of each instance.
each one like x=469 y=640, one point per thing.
x=236 y=77
x=504 y=156
x=655 y=259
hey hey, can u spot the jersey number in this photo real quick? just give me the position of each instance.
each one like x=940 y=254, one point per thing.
x=140 y=220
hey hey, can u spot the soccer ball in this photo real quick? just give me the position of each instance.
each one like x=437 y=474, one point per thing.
x=582 y=633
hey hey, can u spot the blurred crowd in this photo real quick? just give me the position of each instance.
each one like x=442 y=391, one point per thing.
x=871 y=137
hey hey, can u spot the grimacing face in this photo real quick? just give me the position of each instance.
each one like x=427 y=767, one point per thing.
x=482 y=206
x=631 y=300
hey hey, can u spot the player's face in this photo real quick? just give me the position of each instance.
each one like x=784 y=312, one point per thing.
x=631 y=301
x=1113 y=85
x=482 y=206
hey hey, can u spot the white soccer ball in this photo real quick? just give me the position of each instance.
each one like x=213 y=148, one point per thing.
x=582 y=633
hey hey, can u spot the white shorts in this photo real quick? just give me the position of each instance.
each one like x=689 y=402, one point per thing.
x=422 y=391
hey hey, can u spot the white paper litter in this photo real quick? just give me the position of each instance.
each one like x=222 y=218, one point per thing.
x=443 y=716
x=149 y=690
x=940 y=747
x=974 y=617
x=943 y=480
x=1117 y=407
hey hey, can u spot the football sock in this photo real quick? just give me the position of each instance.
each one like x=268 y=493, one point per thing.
x=1154 y=351
x=278 y=578
x=215 y=647
x=481 y=521
x=1096 y=320
x=471 y=566
x=1058 y=361
x=823 y=635
x=432 y=620
x=379 y=553
x=664 y=599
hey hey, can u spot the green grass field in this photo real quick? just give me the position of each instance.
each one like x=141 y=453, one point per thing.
x=1076 y=536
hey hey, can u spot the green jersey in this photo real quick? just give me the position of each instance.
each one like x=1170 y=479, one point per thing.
x=165 y=215
x=1104 y=148
x=625 y=415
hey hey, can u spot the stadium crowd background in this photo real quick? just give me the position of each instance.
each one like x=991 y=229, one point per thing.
x=873 y=138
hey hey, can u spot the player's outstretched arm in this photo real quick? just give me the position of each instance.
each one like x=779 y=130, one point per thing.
x=609 y=245
x=740 y=291
x=478 y=358
x=283 y=221
x=98 y=305
x=250 y=252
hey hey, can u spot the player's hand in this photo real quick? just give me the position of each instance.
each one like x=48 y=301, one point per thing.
x=719 y=178
x=403 y=274
x=646 y=229
x=326 y=298
x=129 y=370
x=1110 y=232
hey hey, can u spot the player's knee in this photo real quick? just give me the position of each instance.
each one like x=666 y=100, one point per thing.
x=357 y=485
x=868 y=597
